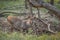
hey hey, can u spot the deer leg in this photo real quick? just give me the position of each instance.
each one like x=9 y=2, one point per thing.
x=11 y=30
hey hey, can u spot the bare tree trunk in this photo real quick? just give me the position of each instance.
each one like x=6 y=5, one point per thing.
x=52 y=2
x=30 y=9
x=39 y=16
x=26 y=4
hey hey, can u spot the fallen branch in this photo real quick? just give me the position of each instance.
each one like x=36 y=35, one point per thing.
x=48 y=6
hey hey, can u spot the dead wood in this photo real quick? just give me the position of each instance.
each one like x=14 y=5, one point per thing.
x=48 y=6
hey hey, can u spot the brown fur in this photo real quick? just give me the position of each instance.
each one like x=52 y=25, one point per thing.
x=19 y=24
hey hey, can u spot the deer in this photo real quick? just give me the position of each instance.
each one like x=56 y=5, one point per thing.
x=19 y=24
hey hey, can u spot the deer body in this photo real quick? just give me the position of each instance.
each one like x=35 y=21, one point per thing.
x=18 y=23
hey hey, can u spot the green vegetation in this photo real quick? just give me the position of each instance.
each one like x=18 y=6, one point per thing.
x=19 y=36
x=10 y=4
x=17 y=4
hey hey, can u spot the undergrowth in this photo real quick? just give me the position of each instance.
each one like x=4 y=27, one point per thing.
x=20 y=36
